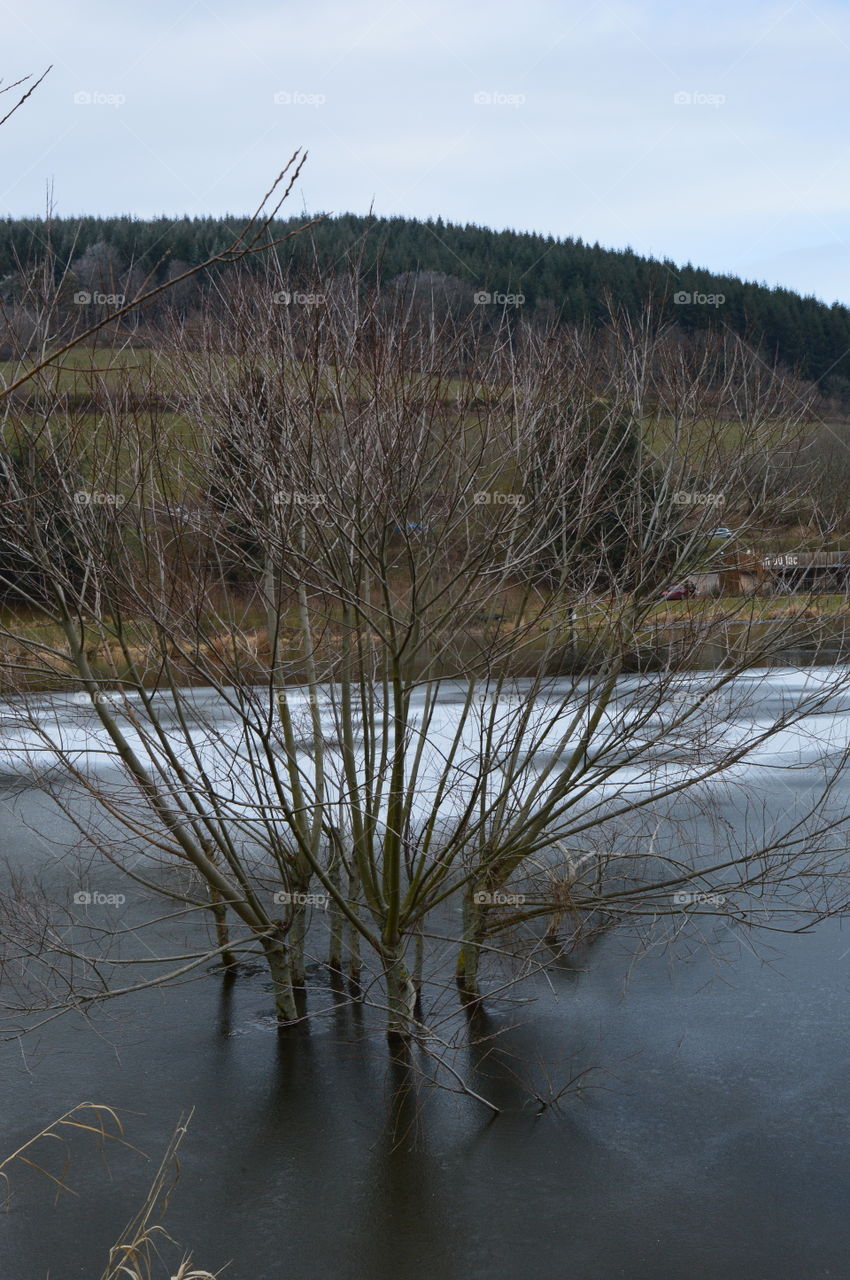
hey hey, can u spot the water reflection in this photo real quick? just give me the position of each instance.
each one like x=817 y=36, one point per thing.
x=711 y=1142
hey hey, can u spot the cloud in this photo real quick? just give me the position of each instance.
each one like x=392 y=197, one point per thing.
x=682 y=130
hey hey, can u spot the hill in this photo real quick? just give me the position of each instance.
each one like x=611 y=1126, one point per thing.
x=568 y=278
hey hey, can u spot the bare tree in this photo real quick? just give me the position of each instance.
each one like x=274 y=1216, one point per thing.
x=441 y=677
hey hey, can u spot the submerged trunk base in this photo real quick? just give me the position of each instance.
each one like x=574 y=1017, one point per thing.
x=280 y=968
x=401 y=999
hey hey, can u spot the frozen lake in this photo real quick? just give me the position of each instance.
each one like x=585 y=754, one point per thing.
x=710 y=1139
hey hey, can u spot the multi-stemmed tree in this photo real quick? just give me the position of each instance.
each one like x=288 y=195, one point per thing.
x=443 y=678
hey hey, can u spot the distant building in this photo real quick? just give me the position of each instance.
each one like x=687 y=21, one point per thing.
x=789 y=572
x=744 y=573
x=740 y=573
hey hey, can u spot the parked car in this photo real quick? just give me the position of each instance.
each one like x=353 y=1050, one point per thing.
x=721 y=532
x=680 y=592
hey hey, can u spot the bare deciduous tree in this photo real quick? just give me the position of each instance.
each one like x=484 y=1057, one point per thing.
x=373 y=635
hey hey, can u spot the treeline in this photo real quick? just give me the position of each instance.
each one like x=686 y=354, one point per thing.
x=568 y=278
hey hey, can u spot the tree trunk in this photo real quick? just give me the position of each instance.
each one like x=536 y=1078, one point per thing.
x=337 y=919
x=401 y=995
x=418 y=966
x=280 y=968
x=469 y=956
x=353 y=939
x=222 y=931
x=297 y=935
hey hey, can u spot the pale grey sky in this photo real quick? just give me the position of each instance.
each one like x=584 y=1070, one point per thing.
x=714 y=133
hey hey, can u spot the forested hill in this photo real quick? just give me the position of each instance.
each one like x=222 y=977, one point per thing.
x=570 y=278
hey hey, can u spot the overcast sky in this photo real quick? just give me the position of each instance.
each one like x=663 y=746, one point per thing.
x=714 y=133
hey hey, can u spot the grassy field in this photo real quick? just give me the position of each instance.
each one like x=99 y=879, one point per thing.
x=86 y=372
x=34 y=654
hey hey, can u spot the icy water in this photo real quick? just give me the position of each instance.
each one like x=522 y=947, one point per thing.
x=709 y=1139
